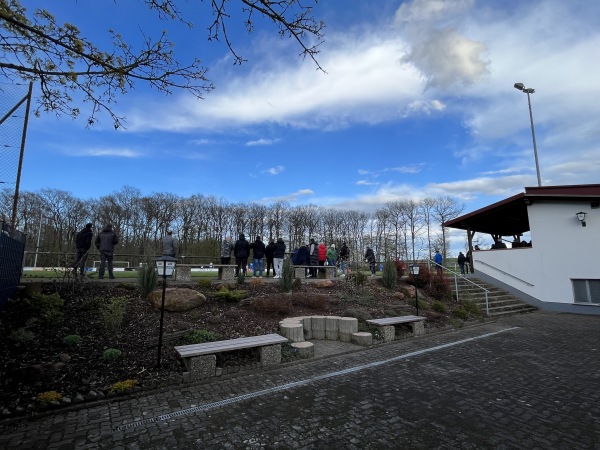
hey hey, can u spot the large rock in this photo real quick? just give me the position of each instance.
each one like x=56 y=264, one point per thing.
x=408 y=290
x=177 y=299
x=324 y=284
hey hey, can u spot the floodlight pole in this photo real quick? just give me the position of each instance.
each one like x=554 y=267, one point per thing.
x=528 y=91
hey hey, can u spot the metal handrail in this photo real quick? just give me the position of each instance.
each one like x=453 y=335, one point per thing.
x=506 y=273
x=456 y=276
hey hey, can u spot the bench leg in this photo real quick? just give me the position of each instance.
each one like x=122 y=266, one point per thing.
x=389 y=333
x=299 y=272
x=226 y=273
x=183 y=274
x=201 y=367
x=418 y=328
x=270 y=355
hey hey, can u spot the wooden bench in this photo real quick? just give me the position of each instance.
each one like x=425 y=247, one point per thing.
x=201 y=359
x=226 y=272
x=388 y=325
x=330 y=271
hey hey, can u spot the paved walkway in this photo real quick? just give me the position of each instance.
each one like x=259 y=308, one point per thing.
x=528 y=381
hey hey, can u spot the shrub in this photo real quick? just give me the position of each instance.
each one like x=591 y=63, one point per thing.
x=422 y=279
x=316 y=302
x=471 y=307
x=72 y=340
x=204 y=283
x=22 y=335
x=147 y=279
x=226 y=295
x=356 y=278
x=273 y=305
x=423 y=304
x=48 y=397
x=48 y=308
x=440 y=288
x=110 y=354
x=460 y=313
x=400 y=268
x=123 y=387
x=287 y=276
x=389 y=275
x=112 y=315
x=438 y=306
x=198 y=337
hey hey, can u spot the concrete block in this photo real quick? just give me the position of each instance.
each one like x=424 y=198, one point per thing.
x=389 y=333
x=291 y=330
x=362 y=338
x=183 y=273
x=202 y=367
x=305 y=349
x=318 y=327
x=270 y=355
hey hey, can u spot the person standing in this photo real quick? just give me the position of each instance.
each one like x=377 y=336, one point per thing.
x=370 y=257
x=278 y=256
x=170 y=245
x=269 y=254
x=344 y=256
x=83 y=242
x=226 y=249
x=461 y=262
x=303 y=257
x=331 y=255
x=438 y=262
x=105 y=243
x=314 y=258
x=241 y=251
x=258 y=253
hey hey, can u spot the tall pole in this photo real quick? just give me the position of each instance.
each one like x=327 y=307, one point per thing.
x=13 y=220
x=537 y=164
x=37 y=246
x=162 y=312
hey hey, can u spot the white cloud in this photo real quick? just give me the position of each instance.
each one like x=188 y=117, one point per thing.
x=292 y=197
x=274 y=170
x=262 y=142
x=112 y=152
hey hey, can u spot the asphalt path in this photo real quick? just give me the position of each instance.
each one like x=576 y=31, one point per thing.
x=526 y=381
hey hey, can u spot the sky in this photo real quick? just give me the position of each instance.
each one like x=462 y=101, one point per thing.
x=416 y=100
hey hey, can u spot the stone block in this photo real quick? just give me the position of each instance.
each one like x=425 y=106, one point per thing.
x=305 y=349
x=389 y=333
x=292 y=330
x=201 y=367
x=418 y=328
x=226 y=273
x=317 y=325
x=348 y=325
x=307 y=324
x=270 y=355
x=362 y=338
x=183 y=273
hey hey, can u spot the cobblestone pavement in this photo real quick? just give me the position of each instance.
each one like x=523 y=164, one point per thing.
x=527 y=381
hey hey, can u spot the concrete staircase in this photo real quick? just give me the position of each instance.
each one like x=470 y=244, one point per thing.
x=500 y=302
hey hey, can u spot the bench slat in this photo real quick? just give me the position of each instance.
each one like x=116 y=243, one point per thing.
x=207 y=348
x=395 y=320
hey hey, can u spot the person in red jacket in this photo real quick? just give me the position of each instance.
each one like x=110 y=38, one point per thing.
x=322 y=255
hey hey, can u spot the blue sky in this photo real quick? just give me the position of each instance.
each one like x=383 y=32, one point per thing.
x=417 y=100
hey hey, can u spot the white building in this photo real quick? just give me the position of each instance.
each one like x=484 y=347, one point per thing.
x=560 y=271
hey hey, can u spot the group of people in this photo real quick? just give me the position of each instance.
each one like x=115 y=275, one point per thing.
x=105 y=243
x=312 y=254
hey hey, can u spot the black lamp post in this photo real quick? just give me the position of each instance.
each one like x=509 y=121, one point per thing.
x=414 y=269
x=165 y=265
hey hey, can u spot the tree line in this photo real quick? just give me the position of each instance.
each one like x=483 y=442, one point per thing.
x=405 y=229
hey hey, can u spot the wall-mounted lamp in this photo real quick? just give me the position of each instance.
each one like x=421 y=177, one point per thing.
x=581 y=216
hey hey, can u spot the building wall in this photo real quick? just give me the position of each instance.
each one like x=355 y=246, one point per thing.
x=562 y=249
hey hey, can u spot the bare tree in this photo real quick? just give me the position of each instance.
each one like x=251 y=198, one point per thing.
x=64 y=62
x=446 y=208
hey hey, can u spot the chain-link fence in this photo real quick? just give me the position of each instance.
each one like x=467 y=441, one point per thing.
x=11 y=130
x=12 y=247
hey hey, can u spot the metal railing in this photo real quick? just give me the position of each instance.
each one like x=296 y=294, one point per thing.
x=456 y=277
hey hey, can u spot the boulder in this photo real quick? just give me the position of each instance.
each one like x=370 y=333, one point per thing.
x=324 y=284
x=399 y=295
x=409 y=291
x=177 y=299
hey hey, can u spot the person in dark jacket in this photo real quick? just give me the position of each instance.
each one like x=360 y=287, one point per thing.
x=105 y=243
x=83 y=242
x=313 y=249
x=278 y=256
x=344 y=256
x=258 y=253
x=370 y=257
x=170 y=245
x=269 y=254
x=241 y=251
x=303 y=256
x=461 y=262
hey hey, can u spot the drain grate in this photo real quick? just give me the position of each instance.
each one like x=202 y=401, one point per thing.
x=284 y=387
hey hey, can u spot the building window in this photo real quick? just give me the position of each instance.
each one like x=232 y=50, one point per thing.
x=586 y=291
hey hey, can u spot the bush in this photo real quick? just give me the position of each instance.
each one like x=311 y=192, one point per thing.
x=225 y=295
x=111 y=354
x=356 y=278
x=471 y=307
x=204 y=283
x=112 y=315
x=400 y=268
x=199 y=337
x=48 y=308
x=22 y=335
x=389 y=275
x=48 y=397
x=438 y=306
x=421 y=280
x=72 y=340
x=273 y=305
x=123 y=387
x=460 y=313
x=316 y=302
x=440 y=288
x=287 y=276
x=147 y=279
